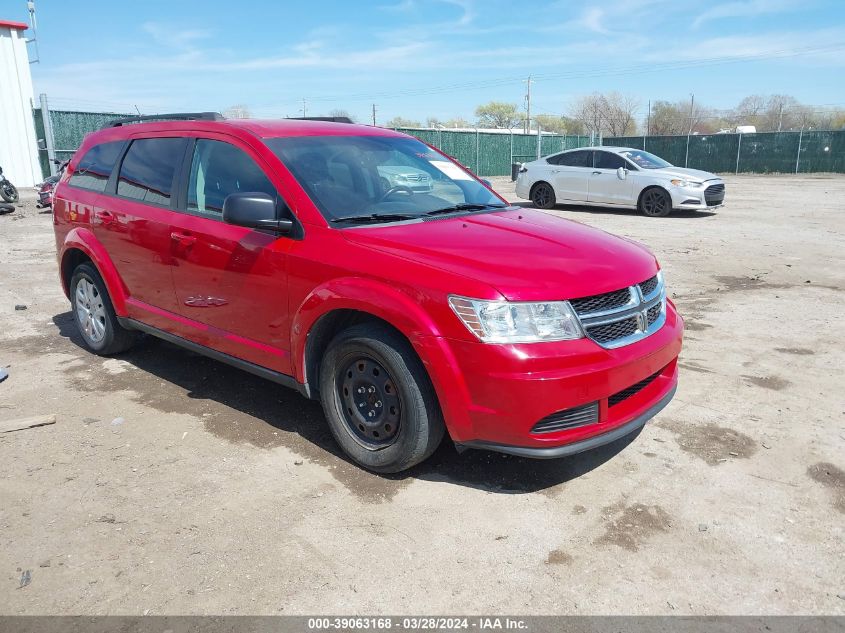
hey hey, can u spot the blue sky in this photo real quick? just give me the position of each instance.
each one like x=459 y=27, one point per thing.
x=419 y=58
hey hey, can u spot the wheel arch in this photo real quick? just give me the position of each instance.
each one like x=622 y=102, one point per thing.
x=648 y=188
x=535 y=184
x=80 y=246
x=345 y=302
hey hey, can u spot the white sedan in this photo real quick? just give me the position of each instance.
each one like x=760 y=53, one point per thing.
x=618 y=177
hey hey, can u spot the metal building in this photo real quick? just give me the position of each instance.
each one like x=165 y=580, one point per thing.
x=18 y=143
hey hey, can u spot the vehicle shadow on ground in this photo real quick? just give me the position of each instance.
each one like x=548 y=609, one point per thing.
x=276 y=416
x=680 y=215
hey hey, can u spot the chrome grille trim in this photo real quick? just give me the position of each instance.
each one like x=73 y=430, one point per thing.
x=649 y=310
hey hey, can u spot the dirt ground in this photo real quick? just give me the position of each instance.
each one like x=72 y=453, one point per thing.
x=172 y=484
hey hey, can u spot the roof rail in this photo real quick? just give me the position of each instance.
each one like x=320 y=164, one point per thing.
x=331 y=119
x=176 y=116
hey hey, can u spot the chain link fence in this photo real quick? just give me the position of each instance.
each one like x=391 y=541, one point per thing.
x=804 y=151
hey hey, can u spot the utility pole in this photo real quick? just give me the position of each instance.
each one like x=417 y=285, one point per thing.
x=780 y=116
x=528 y=107
x=374 y=114
x=304 y=107
x=691 y=109
x=648 y=120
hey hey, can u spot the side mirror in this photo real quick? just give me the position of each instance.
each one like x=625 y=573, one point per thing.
x=621 y=173
x=255 y=210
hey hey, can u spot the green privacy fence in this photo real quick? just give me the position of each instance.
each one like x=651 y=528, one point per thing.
x=491 y=153
x=69 y=128
x=486 y=153
x=763 y=153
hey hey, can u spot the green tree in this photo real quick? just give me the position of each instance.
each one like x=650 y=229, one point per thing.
x=498 y=114
x=399 y=121
x=559 y=124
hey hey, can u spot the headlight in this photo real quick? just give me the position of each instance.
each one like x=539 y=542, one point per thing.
x=685 y=183
x=506 y=322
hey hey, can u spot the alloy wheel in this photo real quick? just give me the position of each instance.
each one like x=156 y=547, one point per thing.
x=90 y=311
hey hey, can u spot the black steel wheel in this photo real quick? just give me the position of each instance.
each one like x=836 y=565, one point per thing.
x=373 y=408
x=543 y=196
x=378 y=399
x=655 y=203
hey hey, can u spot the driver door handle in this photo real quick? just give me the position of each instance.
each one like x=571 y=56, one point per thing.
x=596 y=173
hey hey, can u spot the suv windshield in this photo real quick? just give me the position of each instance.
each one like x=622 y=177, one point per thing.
x=370 y=179
x=644 y=160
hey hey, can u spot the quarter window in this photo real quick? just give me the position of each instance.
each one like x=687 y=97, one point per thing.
x=94 y=169
x=219 y=169
x=147 y=170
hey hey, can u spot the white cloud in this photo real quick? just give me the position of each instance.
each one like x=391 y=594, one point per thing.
x=745 y=9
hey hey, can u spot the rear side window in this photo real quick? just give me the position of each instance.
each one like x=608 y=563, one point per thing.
x=576 y=159
x=607 y=160
x=94 y=169
x=147 y=170
x=218 y=169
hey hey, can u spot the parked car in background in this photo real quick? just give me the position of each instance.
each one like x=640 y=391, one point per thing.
x=275 y=246
x=618 y=177
x=398 y=176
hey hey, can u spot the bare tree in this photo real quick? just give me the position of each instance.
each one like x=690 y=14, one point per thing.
x=237 y=112
x=612 y=114
x=339 y=112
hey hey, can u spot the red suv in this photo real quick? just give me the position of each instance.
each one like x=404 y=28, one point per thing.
x=307 y=252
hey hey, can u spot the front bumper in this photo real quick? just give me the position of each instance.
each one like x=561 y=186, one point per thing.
x=694 y=198
x=592 y=442
x=494 y=395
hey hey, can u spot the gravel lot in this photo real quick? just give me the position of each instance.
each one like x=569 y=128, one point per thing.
x=219 y=492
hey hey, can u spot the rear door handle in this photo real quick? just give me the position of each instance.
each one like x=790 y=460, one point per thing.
x=183 y=239
x=596 y=173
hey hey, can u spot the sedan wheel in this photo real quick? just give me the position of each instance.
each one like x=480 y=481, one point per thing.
x=543 y=196
x=655 y=203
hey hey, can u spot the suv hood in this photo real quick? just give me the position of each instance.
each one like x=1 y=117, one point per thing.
x=683 y=172
x=525 y=254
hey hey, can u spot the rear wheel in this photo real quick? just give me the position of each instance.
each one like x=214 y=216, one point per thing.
x=94 y=314
x=543 y=196
x=8 y=191
x=379 y=402
x=655 y=203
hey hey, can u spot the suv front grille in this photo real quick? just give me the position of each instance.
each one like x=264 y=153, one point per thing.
x=622 y=317
x=600 y=303
x=714 y=194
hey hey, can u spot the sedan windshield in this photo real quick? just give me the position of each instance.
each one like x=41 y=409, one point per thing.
x=644 y=160
x=372 y=179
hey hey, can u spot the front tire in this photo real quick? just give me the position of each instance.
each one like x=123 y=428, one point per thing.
x=8 y=192
x=655 y=203
x=94 y=314
x=543 y=196
x=378 y=399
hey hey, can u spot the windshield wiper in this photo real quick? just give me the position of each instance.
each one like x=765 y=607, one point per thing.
x=464 y=207
x=374 y=218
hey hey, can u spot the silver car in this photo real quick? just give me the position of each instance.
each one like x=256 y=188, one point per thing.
x=414 y=179
x=618 y=177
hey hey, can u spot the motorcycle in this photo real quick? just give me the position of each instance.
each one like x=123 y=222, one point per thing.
x=45 y=189
x=8 y=191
